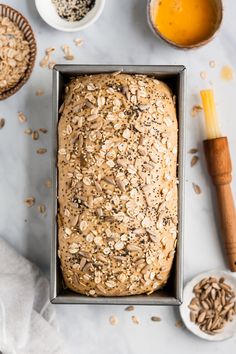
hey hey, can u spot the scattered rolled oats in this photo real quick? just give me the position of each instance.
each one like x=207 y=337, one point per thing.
x=22 y=117
x=135 y=320
x=28 y=131
x=50 y=50
x=78 y=42
x=29 y=202
x=44 y=62
x=42 y=208
x=39 y=92
x=212 y=63
x=203 y=75
x=51 y=64
x=113 y=320
x=48 y=183
x=47 y=57
x=68 y=53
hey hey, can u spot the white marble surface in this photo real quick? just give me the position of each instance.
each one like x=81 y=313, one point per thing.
x=121 y=36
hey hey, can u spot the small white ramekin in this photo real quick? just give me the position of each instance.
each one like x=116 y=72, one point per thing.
x=229 y=330
x=49 y=14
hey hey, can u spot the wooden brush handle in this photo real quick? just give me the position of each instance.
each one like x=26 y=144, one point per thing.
x=220 y=168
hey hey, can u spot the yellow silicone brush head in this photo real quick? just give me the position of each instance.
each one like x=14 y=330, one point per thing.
x=212 y=124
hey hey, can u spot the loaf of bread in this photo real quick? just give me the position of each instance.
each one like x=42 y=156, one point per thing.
x=117 y=184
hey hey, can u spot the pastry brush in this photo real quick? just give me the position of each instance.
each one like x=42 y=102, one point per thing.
x=219 y=167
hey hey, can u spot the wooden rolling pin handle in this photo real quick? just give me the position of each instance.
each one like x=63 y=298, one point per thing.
x=220 y=168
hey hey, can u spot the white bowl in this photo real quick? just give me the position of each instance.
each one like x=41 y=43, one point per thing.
x=230 y=328
x=49 y=14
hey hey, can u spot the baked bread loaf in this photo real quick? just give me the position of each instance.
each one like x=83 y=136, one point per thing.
x=117 y=184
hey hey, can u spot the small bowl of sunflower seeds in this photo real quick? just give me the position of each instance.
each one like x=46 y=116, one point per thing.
x=70 y=15
x=209 y=305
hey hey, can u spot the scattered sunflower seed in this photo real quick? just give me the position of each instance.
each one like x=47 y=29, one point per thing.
x=2 y=123
x=22 y=118
x=194 y=160
x=196 y=188
x=193 y=151
x=43 y=130
x=41 y=151
x=129 y=308
x=35 y=135
x=135 y=320
x=42 y=208
x=29 y=202
x=196 y=109
x=156 y=319
x=113 y=320
x=179 y=324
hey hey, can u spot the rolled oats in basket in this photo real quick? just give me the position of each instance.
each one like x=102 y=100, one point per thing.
x=14 y=54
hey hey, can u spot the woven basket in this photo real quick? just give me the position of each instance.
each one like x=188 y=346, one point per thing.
x=23 y=24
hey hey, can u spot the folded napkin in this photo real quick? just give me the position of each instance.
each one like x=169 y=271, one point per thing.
x=27 y=321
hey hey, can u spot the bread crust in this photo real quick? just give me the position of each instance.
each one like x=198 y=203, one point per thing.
x=117 y=184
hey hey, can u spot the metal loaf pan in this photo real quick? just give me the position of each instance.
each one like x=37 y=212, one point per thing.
x=174 y=76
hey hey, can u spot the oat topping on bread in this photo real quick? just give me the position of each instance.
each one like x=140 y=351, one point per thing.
x=117 y=184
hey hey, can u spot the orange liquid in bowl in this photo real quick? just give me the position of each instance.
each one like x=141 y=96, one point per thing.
x=186 y=22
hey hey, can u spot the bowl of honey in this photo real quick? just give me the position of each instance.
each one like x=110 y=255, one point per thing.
x=185 y=24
